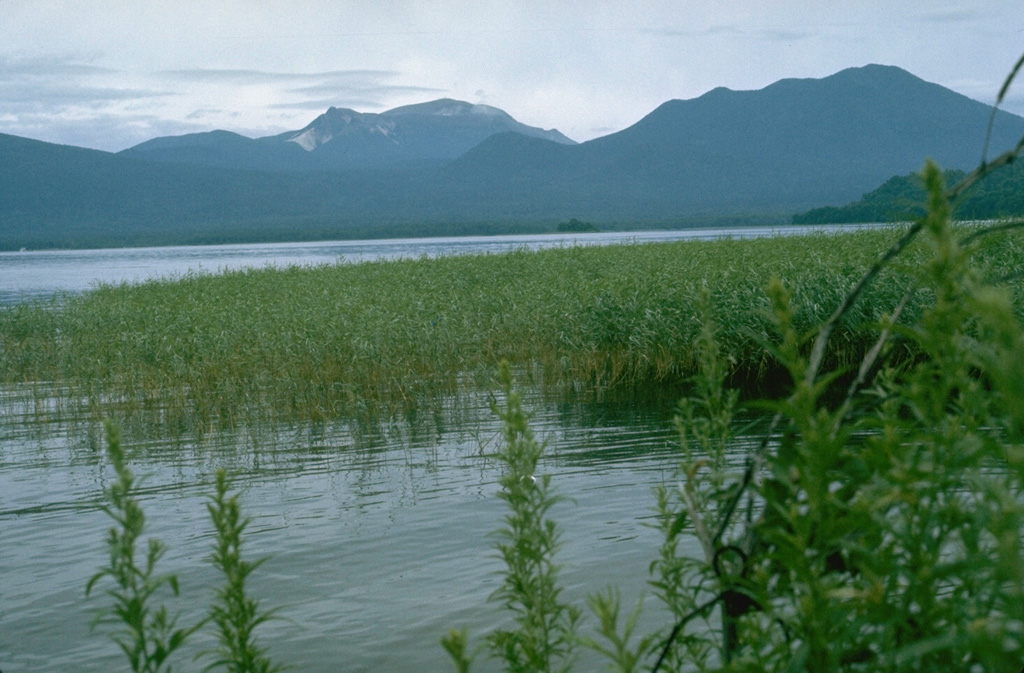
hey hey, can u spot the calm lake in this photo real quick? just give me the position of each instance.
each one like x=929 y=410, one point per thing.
x=379 y=539
x=36 y=274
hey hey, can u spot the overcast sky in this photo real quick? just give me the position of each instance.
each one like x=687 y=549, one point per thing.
x=111 y=73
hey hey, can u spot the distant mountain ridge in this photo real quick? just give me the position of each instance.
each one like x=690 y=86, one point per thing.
x=724 y=156
x=411 y=136
x=793 y=145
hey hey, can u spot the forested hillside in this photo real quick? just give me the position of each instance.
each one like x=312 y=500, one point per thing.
x=1000 y=195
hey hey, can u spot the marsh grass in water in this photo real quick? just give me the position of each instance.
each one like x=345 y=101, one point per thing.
x=294 y=345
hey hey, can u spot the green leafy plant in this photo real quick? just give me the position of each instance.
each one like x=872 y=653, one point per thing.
x=880 y=532
x=614 y=642
x=235 y=612
x=880 y=536
x=543 y=639
x=691 y=586
x=147 y=633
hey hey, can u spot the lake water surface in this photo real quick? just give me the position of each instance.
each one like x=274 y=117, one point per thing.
x=379 y=539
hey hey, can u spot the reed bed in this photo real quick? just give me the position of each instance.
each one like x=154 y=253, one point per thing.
x=299 y=344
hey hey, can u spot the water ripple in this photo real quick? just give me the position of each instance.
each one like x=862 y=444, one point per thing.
x=375 y=549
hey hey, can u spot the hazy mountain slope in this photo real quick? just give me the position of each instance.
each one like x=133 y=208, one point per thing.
x=222 y=149
x=900 y=198
x=56 y=195
x=786 y=147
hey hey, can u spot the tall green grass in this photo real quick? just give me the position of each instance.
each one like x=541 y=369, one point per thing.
x=298 y=344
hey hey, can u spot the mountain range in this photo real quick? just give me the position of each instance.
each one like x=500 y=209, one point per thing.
x=423 y=135
x=453 y=167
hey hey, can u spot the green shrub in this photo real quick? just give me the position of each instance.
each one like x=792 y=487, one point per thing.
x=145 y=631
x=235 y=612
x=878 y=530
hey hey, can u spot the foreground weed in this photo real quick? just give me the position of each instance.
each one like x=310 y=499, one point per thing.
x=148 y=634
x=235 y=613
x=614 y=643
x=456 y=643
x=692 y=505
x=543 y=639
x=882 y=533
